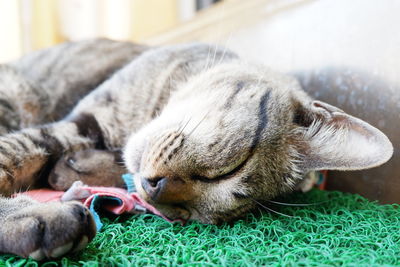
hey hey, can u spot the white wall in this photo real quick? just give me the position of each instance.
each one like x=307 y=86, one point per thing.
x=359 y=33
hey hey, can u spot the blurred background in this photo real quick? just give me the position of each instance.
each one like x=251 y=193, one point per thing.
x=346 y=53
x=27 y=25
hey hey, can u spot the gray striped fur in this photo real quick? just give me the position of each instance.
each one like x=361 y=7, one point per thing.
x=206 y=134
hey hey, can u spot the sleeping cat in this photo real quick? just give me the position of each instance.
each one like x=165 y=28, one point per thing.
x=206 y=134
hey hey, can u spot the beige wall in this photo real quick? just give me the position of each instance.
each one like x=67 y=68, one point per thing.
x=10 y=31
x=27 y=25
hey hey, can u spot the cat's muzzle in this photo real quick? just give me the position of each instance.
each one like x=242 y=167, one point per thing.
x=167 y=190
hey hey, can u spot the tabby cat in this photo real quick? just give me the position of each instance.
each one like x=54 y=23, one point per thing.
x=206 y=134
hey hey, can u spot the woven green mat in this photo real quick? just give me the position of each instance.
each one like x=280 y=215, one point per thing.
x=345 y=230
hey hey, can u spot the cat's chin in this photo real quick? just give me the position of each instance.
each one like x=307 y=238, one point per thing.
x=180 y=213
x=174 y=213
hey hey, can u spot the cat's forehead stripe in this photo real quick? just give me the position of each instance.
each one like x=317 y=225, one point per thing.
x=262 y=119
x=231 y=98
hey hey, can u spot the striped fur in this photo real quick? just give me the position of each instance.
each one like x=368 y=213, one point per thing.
x=207 y=135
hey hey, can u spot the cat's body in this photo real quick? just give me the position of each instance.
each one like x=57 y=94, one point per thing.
x=205 y=134
x=45 y=85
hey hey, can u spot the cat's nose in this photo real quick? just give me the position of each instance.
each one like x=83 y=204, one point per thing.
x=154 y=186
x=164 y=190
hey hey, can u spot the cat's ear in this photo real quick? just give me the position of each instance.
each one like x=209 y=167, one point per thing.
x=334 y=140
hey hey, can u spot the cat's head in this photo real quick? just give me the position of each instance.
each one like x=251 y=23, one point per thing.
x=239 y=134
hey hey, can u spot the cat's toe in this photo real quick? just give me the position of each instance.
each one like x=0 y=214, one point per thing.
x=37 y=255
x=68 y=233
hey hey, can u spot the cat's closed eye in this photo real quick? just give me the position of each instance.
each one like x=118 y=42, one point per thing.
x=224 y=176
x=78 y=167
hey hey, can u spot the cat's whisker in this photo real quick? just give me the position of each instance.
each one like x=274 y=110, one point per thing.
x=27 y=189
x=198 y=124
x=208 y=58
x=218 y=34
x=19 y=190
x=271 y=210
x=182 y=128
x=225 y=48
x=10 y=174
x=215 y=54
x=297 y=204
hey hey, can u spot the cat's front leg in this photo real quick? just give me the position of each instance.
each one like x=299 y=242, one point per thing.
x=28 y=228
x=28 y=155
x=37 y=230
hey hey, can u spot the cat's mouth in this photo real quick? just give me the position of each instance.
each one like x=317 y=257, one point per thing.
x=172 y=211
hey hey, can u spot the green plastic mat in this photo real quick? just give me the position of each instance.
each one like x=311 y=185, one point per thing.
x=345 y=230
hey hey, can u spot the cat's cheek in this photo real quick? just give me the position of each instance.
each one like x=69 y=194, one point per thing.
x=133 y=152
x=132 y=155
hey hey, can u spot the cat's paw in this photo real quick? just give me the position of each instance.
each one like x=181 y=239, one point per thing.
x=48 y=230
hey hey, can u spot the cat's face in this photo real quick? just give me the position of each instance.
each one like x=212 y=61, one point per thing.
x=231 y=137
